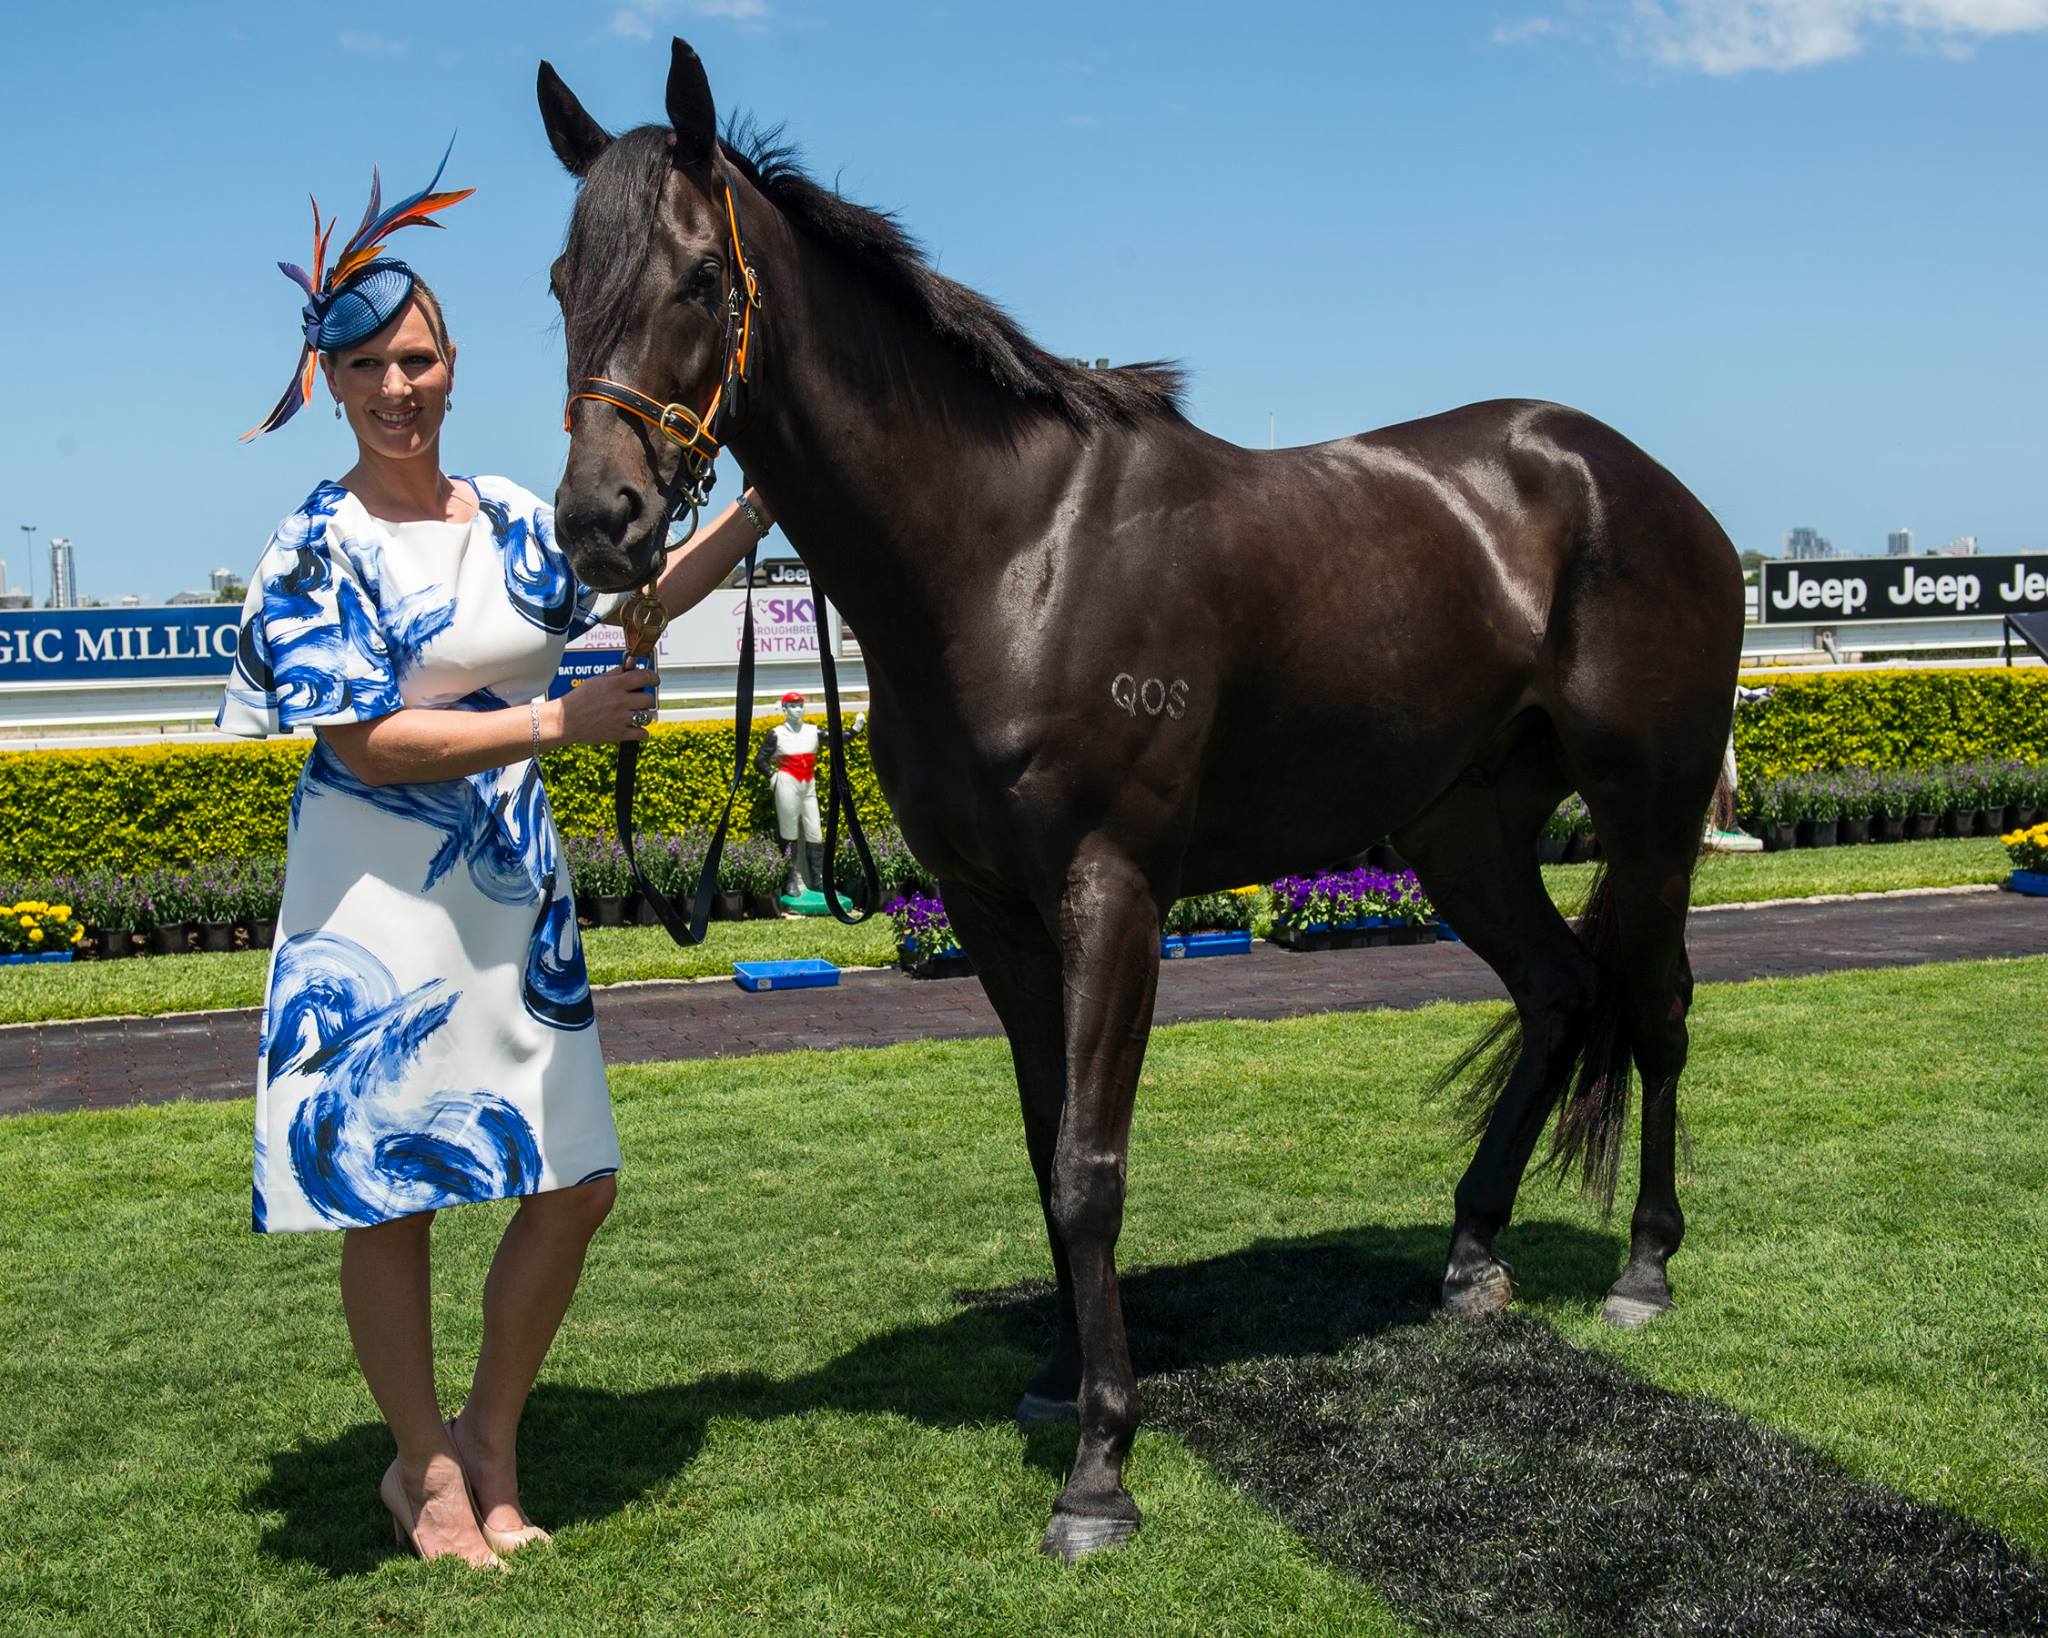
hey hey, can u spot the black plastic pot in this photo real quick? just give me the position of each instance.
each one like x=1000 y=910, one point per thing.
x=216 y=937
x=113 y=943
x=762 y=907
x=1817 y=832
x=1779 y=838
x=262 y=932
x=169 y=939
x=611 y=909
x=644 y=913
x=956 y=965
x=1887 y=830
x=1920 y=827
x=1852 y=832
x=1549 y=850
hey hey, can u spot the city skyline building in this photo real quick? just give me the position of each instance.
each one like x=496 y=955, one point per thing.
x=1805 y=544
x=1899 y=543
x=1961 y=546
x=63 y=583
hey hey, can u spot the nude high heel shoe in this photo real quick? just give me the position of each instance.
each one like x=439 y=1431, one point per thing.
x=528 y=1534
x=391 y=1491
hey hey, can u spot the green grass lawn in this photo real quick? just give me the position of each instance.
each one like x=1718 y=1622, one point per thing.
x=768 y=1412
x=192 y=983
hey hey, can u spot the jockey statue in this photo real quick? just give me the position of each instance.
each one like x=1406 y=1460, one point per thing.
x=789 y=755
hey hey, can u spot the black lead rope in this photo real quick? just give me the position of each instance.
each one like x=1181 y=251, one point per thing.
x=839 y=792
x=839 y=795
x=691 y=930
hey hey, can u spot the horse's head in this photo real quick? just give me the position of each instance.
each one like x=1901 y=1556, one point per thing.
x=642 y=285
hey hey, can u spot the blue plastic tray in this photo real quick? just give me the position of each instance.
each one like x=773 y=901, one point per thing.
x=1180 y=946
x=2029 y=881
x=785 y=975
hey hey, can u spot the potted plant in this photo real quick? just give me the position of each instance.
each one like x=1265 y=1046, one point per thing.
x=2031 y=787
x=670 y=863
x=1926 y=797
x=1557 y=831
x=1856 y=788
x=1769 y=809
x=1580 y=843
x=262 y=887
x=214 y=900
x=730 y=904
x=1209 y=924
x=38 y=930
x=1890 y=793
x=104 y=905
x=1350 y=909
x=1820 y=806
x=925 y=945
x=2028 y=850
x=762 y=870
x=164 y=910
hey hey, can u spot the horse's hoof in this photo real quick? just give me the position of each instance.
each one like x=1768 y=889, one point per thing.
x=1035 y=1411
x=1070 y=1537
x=1490 y=1293
x=1631 y=1313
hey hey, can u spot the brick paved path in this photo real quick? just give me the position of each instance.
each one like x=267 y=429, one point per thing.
x=109 y=1062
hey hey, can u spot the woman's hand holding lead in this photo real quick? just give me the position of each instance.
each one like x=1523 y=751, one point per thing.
x=609 y=708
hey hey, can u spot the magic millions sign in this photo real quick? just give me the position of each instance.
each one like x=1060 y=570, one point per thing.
x=1840 y=591
x=117 y=645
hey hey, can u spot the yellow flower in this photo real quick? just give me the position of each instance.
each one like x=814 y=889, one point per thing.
x=61 y=911
x=35 y=935
x=25 y=921
x=77 y=933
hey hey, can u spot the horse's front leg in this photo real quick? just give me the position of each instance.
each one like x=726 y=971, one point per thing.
x=1109 y=952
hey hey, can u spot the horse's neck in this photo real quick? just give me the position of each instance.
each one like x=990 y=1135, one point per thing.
x=885 y=457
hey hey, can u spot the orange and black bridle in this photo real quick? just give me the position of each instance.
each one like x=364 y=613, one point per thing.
x=697 y=433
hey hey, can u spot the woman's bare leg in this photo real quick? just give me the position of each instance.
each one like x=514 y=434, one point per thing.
x=532 y=1278
x=384 y=1291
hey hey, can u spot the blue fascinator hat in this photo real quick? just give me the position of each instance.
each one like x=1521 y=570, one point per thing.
x=361 y=293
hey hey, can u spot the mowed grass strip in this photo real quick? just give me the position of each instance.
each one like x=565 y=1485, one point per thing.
x=190 y=983
x=768 y=1412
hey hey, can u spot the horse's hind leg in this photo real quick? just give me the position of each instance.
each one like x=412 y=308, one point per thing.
x=1650 y=861
x=1475 y=851
x=1019 y=967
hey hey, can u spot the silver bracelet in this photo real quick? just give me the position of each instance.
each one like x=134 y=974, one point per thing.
x=533 y=715
x=753 y=516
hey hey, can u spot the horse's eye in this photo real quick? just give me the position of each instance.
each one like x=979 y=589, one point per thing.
x=700 y=283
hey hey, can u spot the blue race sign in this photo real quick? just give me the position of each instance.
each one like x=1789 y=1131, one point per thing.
x=111 y=645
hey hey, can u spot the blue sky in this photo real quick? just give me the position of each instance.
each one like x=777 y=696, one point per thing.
x=1794 y=248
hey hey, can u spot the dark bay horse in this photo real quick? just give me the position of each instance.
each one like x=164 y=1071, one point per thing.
x=1114 y=660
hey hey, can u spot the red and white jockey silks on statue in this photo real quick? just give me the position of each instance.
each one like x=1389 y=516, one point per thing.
x=789 y=756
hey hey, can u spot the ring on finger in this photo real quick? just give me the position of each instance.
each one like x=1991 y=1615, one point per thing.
x=642 y=717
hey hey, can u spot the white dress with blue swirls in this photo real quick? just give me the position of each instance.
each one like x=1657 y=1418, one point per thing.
x=428 y=1036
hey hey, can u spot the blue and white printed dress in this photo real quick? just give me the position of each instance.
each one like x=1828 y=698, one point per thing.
x=428 y=1036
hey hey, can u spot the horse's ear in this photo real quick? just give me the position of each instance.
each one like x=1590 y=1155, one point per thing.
x=576 y=138
x=689 y=107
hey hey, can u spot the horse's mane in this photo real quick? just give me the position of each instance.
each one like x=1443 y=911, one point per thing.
x=619 y=197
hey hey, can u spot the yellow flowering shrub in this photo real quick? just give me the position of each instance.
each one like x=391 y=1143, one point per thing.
x=33 y=926
x=2028 y=849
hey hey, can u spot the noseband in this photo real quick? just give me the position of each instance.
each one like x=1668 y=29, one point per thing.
x=698 y=434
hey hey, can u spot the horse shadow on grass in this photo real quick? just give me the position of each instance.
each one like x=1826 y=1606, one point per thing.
x=1482 y=1476
x=586 y=1452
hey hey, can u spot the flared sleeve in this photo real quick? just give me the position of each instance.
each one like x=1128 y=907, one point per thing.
x=311 y=650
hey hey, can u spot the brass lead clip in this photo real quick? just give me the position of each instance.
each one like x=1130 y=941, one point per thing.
x=643 y=619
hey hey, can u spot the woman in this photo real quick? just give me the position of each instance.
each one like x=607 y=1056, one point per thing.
x=428 y=1033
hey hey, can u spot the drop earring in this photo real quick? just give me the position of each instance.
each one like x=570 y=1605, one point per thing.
x=337 y=409
x=448 y=406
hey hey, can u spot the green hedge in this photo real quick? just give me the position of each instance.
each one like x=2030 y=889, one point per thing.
x=1891 y=719
x=131 y=809
x=163 y=805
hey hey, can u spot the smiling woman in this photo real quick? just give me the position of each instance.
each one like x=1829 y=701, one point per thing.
x=429 y=1038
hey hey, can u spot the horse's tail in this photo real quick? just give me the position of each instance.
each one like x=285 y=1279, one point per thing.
x=1588 y=1071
